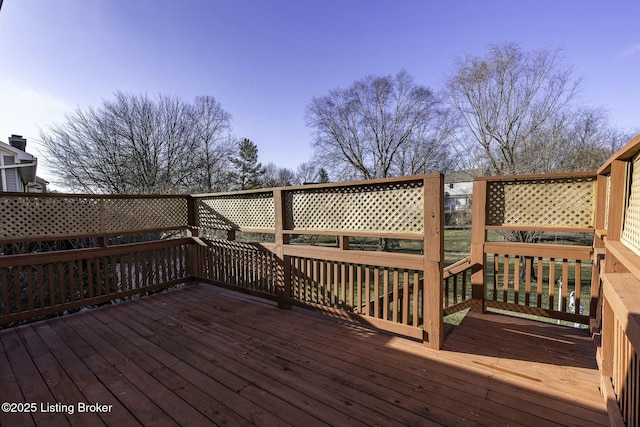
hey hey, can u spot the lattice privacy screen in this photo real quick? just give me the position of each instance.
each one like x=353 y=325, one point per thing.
x=235 y=212
x=25 y=217
x=567 y=202
x=139 y=214
x=31 y=217
x=389 y=207
x=631 y=227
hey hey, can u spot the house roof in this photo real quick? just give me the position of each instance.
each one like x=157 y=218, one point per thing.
x=27 y=173
x=23 y=157
x=463 y=175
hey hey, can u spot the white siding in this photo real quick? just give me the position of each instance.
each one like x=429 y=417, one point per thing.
x=11 y=175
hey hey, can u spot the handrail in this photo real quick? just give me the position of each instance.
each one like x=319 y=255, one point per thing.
x=456 y=282
x=457 y=267
x=536 y=177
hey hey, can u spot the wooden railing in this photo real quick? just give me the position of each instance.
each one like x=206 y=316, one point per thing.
x=40 y=275
x=397 y=292
x=34 y=285
x=618 y=240
x=457 y=286
x=392 y=291
x=382 y=289
x=541 y=279
x=252 y=267
x=598 y=285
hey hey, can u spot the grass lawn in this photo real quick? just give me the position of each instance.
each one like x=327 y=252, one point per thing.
x=457 y=243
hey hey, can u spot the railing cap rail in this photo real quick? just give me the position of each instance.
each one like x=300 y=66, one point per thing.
x=537 y=177
x=95 y=196
x=359 y=183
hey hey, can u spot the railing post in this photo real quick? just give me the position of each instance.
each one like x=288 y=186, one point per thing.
x=283 y=274
x=433 y=209
x=104 y=240
x=617 y=199
x=478 y=238
x=193 y=250
x=192 y=215
x=600 y=203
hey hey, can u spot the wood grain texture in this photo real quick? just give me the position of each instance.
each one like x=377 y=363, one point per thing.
x=205 y=355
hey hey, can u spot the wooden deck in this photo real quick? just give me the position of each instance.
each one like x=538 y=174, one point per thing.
x=209 y=356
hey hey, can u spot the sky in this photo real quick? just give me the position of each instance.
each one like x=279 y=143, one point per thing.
x=265 y=60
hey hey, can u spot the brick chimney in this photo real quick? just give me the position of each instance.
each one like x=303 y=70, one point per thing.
x=17 y=141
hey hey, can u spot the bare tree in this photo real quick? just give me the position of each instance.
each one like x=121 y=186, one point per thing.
x=274 y=176
x=136 y=144
x=518 y=116
x=379 y=127
x=212 y=131
x=306 y=172
x=580 y=139
x=505 y=100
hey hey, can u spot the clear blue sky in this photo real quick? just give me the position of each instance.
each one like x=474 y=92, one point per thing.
x=264 y=60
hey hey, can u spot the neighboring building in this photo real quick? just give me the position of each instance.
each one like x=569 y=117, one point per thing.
x=18 y=168
x=458 y=191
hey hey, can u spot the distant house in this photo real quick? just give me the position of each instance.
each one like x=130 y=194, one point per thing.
x=18 y=168
x=458 y=190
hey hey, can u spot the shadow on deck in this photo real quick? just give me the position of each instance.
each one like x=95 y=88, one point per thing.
x=209 y=356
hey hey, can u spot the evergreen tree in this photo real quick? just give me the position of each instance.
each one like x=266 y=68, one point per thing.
x=247 y=169
x=323 y=176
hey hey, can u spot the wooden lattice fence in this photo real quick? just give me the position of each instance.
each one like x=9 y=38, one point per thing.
x=631 y=227
x=386 y=207
x=397 y=292
x=546 y=280
x=38 y=217
x=541 y=202
x=248 y=211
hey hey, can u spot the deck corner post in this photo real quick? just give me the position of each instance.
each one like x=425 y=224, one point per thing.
x=478 y=239
x=192 y=216
x=599 y=213
x=193 y=251
x=283 y=274
x=193 y=262
x=433 y=209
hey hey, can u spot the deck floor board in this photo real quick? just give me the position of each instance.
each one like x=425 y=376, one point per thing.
x=210 y=356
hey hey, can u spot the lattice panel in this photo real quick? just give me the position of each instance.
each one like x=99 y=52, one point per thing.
x=145 y=213
x=388 y=208
x=44 y=216
x=235 y=212
x=565 y=202
x=631 y=228
x=25 y=217
x=606 y=206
